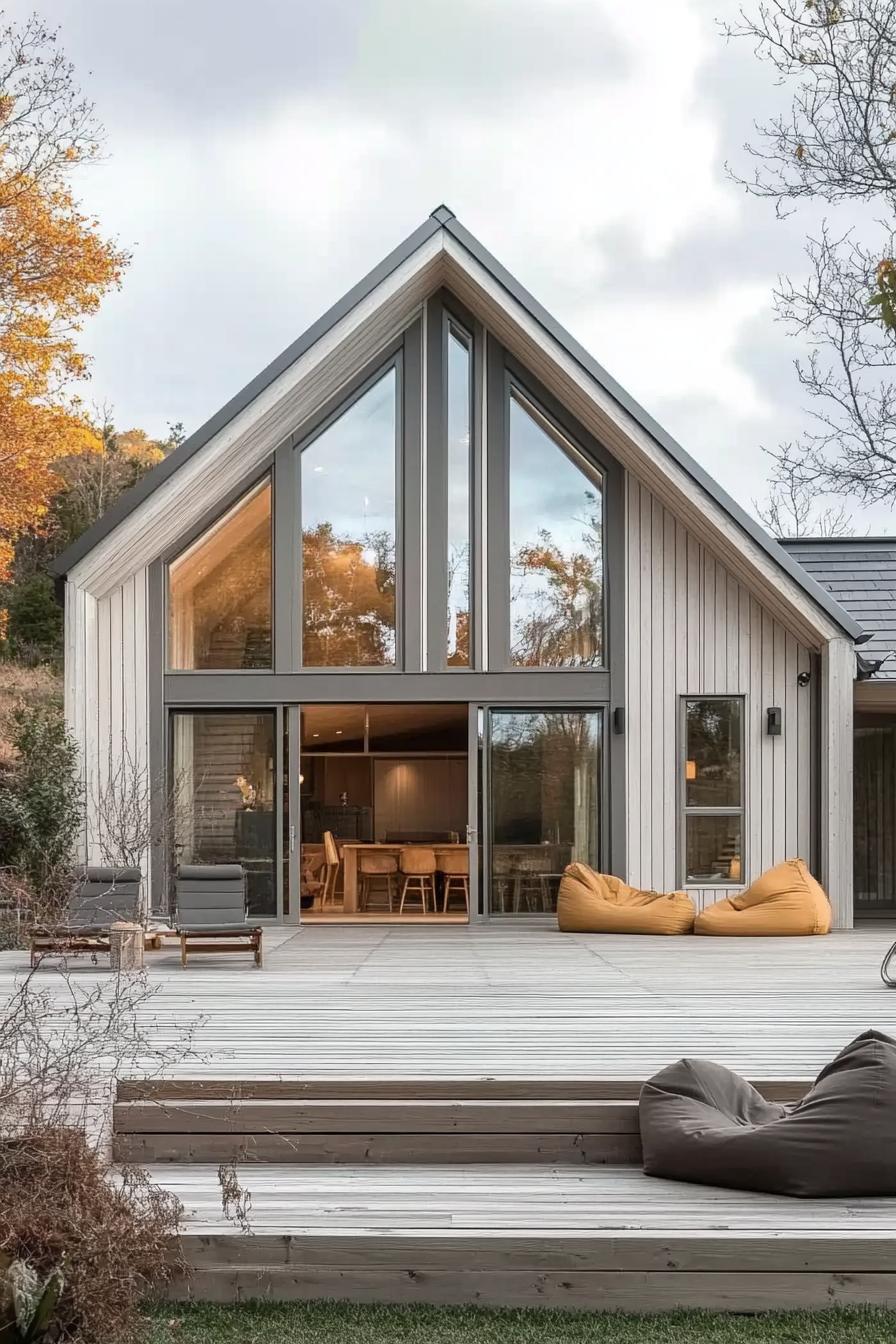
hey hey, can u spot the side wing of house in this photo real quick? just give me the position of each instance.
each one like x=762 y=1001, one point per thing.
x=718 y=673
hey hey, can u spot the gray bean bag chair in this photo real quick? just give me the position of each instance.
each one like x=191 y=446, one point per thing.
x=702 y=1123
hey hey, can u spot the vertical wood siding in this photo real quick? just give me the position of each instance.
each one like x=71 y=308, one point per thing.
x=693 y=629
x=107 y=702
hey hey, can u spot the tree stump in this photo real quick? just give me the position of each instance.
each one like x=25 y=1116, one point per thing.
x=126 y=947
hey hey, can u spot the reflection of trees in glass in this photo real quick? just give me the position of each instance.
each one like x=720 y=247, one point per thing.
x=557 y=596
x=545 y=779
x=349 y=598
x=714 y=753
x=220 y=591
x=459 y=605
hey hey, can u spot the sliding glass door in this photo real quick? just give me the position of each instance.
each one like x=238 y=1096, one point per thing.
x=543 y=803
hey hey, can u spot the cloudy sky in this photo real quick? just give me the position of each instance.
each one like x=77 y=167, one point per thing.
x=262 y=157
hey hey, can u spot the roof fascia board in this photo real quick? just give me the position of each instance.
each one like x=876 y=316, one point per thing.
x=577 y=352
x=135 y=496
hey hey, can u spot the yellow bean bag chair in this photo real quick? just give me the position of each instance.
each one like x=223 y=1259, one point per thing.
x=785 y=900
x=591 y=902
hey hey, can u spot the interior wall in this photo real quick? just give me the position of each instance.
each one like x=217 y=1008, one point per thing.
x=420 y=795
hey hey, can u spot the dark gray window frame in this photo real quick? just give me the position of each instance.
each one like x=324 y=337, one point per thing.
x=606 y=841
x=207 y=521
x=504 y=375
x=405 y=525
x=489 y=683
x=684 y=811
x=443 y=312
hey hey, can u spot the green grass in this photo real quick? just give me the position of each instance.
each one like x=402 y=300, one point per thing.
x=345 y=1323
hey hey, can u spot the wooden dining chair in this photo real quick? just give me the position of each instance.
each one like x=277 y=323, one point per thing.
x=418 y=865
x=375 y=867
x=330 y=871
x=454 y=865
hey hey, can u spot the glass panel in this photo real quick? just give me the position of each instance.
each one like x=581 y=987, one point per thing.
x=219 y=591
x=417 y=727
x=224 y=783
x=713 y=850
x=460 y=412
x=712 y=767
x=556 y=550
x=544 y=784
x=874 y=747
x=332 y=728
x=348 y=535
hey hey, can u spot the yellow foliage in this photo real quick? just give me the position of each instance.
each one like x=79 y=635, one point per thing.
x=54 y=269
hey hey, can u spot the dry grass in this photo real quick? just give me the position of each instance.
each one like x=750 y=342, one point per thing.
x=20 y=686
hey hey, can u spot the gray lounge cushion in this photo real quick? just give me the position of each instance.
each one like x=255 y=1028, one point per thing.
x=702 y=1123
x=210 y=872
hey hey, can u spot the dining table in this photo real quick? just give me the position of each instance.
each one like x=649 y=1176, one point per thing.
x=351 y=853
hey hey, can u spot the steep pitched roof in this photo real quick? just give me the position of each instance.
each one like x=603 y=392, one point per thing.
x=443 y=219
x=860 y=574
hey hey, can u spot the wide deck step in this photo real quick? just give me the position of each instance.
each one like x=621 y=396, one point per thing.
x=602 y=1237
x=487 y=1122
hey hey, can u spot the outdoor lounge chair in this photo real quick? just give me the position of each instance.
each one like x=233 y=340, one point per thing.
x=702 y=1123
x=100 y=898
x=590 y=902
x=211 y=911
x=783 y=901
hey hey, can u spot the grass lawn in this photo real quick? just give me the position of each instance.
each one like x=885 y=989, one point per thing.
x=345 y=1323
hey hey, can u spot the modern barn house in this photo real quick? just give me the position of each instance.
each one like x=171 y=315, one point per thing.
x=433 y=578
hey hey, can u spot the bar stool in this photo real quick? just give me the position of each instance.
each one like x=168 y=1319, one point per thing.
x=373 y=868
x=454 y=865
x=419 y=868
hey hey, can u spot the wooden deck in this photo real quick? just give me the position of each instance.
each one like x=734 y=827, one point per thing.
x=481 y=1047
x=382 y=1001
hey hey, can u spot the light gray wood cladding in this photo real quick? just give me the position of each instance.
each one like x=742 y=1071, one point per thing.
x=694 y=629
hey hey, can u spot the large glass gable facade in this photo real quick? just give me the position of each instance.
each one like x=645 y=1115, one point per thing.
x=443 y=520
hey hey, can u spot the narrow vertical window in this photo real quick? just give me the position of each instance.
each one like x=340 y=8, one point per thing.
x=349 y=535
x=712 y=791
x=460 y=420
x=556 y=547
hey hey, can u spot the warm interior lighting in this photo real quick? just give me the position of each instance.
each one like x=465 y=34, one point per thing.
x=690 y=769
x=734 y=870
x=338 y=732
x=315 y=734
x=301 y=779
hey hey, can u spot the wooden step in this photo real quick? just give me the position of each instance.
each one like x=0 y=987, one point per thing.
x=345 y=1121
x=600 y=1237
x=411 y=1089
x=356 y=1131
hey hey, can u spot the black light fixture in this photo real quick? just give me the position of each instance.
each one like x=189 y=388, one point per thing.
x=619 y=720
x=803 y=678
x=773 y=719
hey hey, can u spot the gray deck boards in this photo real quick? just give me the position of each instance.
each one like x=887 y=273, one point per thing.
x=381 y=1002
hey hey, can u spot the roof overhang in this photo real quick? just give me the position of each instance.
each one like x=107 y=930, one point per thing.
x=244 y=433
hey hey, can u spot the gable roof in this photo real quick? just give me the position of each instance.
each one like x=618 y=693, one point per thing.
x=443 y=220
x=860 y=574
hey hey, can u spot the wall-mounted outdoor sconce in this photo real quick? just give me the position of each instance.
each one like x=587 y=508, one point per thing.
x=773 y=718
x=619 y=720
x=803 y=678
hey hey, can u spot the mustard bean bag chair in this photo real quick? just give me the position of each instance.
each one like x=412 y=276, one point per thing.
x=590 y=902
x=784 y=901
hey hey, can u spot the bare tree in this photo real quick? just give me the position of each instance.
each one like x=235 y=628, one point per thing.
x=835 y=144
x=792 y=509
x=132 y=811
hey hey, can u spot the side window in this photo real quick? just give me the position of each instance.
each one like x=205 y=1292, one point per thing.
x=219 y=591
x=712 y=790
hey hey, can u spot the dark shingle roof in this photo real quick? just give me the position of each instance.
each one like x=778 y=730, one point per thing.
x=860 y=574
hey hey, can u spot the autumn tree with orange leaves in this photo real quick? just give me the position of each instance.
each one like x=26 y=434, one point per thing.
x=55 y=267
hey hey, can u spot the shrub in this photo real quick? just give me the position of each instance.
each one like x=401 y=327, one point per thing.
x=40 y=804
x=34 y=621
x=61 y=1047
